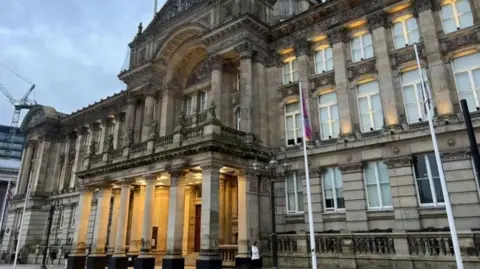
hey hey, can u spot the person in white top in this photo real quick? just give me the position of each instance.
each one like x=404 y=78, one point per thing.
x=256 y=262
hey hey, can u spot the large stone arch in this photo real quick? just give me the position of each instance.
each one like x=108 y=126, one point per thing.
x=39 y=115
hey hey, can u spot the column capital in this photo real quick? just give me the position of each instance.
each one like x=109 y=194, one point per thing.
x=403 y=161
x=338 y=35
x=217 y=62
x=126 y=181
x=377 y=20
x=302 y=47
x=273 y=59
x=211 y=167
x=85 y=189
x=241 y=174
x=423 y=5
x=245 y=50
x=150 y=177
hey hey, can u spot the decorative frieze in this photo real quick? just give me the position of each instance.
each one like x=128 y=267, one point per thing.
x=423 y=5
x=403 y=161
x=454 y=43
x=322 y=80
x=273 y=59
x=365 y=67
x=351 y=168
x=288 y=90
x=302 y=47
x=201 y=72
x=377 y=20
x=407 y=55
x=455 y=155
x=337 y=35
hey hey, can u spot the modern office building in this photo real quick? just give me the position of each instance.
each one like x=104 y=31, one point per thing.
x=164 y=170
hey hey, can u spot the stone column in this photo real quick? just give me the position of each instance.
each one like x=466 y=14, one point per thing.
x=438 y=75
x=79 y=152
x=337 y=38
x=77 y=258
x=242 y=260
x=149 y=116
x=209 y=256
x=222 y=228
x=146 y=260
x=41 y=164
x=354 y=196
x=98 y=258
x=168 y=112
x=137 y=216
x=228 y=212
x=385 y=76
x=26 y=166
x=404 y=193
x=246 y=87
x=186 y=219
x=119 y=259
x=217 y=82
x=67 y=159
x=176 y=206
x=113 y=222
x=118 y=130
x=129 y=120
x=103 y=126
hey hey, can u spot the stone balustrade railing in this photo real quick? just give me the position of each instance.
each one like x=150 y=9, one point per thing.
x=377 y=248
x=228 y=253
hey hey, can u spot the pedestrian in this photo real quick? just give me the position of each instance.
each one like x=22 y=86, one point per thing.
x=256 y=261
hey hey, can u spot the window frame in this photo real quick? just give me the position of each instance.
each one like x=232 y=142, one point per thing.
x=430 y=181
x=405 y=32
x=238 y=118
x=470 y=78
x=379 y=189
x=328 y=106
x=296 y=191
x=475 y=176
x=419 y=103
x=334 y=191
x=456 y=15
x=289 y=63
x=371 y=113
x=202 y=104
x=73 y=216
x=362 y=47
x=296 y=128
x=189 y=105
x=238 y=77
x=322 y=52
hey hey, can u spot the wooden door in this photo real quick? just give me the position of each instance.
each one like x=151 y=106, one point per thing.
x=198 y=215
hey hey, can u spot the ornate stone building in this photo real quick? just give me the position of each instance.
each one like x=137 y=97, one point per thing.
x=161 y=172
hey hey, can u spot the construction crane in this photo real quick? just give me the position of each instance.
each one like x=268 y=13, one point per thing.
x=23 y=103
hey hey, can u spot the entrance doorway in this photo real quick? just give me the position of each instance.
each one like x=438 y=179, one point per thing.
x=198 y=215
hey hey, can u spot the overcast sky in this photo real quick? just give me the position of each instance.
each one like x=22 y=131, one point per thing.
x=72 y=50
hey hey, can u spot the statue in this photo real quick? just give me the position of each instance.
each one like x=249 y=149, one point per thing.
x=128 y=141
x=153 y=130
x=110 y=143
x=212 y=109
x=182 y=120
x=92 y=147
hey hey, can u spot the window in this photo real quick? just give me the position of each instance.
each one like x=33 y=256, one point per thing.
x=362 y=47
x=238 y=118
x=328 y=114
x=456 y=15
x=293 y=186
x=377 y=185
x=475 y=175
x=237 y=80
x=287 y=7
x=405 y=32
x=333 y=190
x=466 y=72
x=369 y=106
x=203 y=96
x=189 y=105
x=428 y=181
x=290 y=71
x=73 y=214
x=413 y=95
x=293 y=124
x=323 y=60
x=61 y=217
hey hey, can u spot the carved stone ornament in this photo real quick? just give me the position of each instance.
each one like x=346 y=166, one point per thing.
x=289 y=90
x=423 y=5
x=92 y=148
x=110 y=147
x=302 y=47
x=452 y=44
x=211 y=168
x=351 y=168
x=182 y=120
x=404 y=161
x=211 y=110
x=274 y=59
x=154 y=129
x=326 y=79
x=361 y=69
x=245 y=50
x=200 y=72
x=377 y=20
x=337 y=35
x=407 y=55
x=217 y=62
x=128 y=141
x=455 y=155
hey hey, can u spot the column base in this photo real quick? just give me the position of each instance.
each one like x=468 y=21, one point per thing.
x=242 y=262
x=209 y=262
x=144 y=263
x=173 y=262
x=96 y=262
x=76 y=262
x=118 y=262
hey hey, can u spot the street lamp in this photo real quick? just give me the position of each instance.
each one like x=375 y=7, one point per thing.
x=275 y=164
x=52 y=206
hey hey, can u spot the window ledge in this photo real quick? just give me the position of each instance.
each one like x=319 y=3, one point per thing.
x=334 y=216
x=432 y=211
x=406 y=48
x=285 y=86
x=295 y=217
x=380 y=214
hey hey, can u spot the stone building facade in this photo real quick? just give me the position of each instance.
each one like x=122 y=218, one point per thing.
x=161 y=172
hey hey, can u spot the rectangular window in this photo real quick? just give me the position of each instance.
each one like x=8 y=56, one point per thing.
x=73 y=214
x=405 y=32
x=466 y=72
x=203 y=103
x=328 y=114
x=456 y=15
x=333 y=190
x=428 y=180
x=189 y=105
x=61 y=217
x=290 y=71
x=362 y=47
x=323 y=60
x=377 y=185
x=238 y=118
x=238 y=80
x=293 y=124
x=370 y=106
x=413 y=95
x=294 y=192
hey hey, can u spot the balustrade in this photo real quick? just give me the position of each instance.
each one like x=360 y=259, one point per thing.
x=228 y=253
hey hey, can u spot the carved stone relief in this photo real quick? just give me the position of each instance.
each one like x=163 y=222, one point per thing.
x=200 y=72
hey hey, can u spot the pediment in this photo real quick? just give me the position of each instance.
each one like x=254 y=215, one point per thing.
x=38 y=115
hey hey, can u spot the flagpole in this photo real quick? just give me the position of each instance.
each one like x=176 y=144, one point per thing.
x=155 y=8
x=5 y=200
x=446 y=197
x=307 y=178
x=27 y=195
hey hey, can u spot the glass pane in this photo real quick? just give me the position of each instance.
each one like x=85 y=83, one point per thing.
x=433 y=165
x=329 y=53
x=438 y=190
x=300 y=201
x=409 y=95
x=291 y=202
x=424 y=191
x=340 y=203
x=370 y=174
x=447 y=11
x=325 y=129
x=356 y=44
x=383 y=173
x=328 y=98
x=327 y=178
x=376 y=102
x=449 y=26
x=368 y=51
x=329 y=65
x=286 y=78
x=363 y=105
x=334 y=112
x=292 y=107
x=411 y=24
x=329 y=204
x=319 y=67
x=338 y=178
x=324 y=114
x=400 y=41
x=356 y=55
x=339 y=192
x=335 y=129
x=476 y=78
x=462 y=6
x=294 y=65
x=413 y=37
x=398 y=29
x=386 y=194
x=462 y=81
x=298 y=125
x=365 y=122
x=286 y=68
x=421 y=167
x=367 y=40
x=366 y=88
x=373 y=197
x=466 y=62
x=290 y=184
x=290 y=126
x=470 y=100
x=466 y=20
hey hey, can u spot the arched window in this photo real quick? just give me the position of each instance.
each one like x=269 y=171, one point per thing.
x=238 y=118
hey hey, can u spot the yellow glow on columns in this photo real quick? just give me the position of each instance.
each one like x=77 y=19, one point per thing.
x=346 y=126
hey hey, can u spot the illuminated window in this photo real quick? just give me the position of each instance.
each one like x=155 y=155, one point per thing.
x=290 y=71
x=456 y=15
x=333 y=190
x=466 y=72
x=328 y=114
x=293 y=124
x=362 y=47
x=323 y=60
x=370 y=107
x=405 y=32
x=413 y=95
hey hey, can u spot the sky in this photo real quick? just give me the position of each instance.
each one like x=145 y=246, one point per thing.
x=71 y=50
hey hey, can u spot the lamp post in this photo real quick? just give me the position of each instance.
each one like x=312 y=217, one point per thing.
x=273 y=169
x=52 y=207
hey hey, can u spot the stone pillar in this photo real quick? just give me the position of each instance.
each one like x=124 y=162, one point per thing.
x=77 y=258
x=149 y=116
x=262 y=104
x=146 y=260
x=186 y=219
x=103 y=126
x=242 y=260
x=98 y=258
x=246 y=87
x=137 y=216
x=209 y=256
x=385 y=76
x=176 y=206
x=217 y=82
x=26 y=167
x=228 y=212
x=119 y=259
x=167 y=114
x=221 y=214
x=129 y=120
x=65 y=174
x=113 y=222
x=337 y=39
x=438 y=75
x=404 y=193
x=79 y=152
x=40 y=166
x=118 y=130
x=355 y=199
